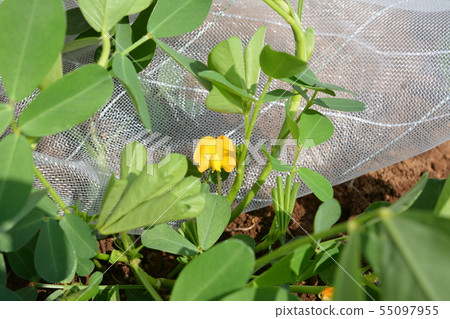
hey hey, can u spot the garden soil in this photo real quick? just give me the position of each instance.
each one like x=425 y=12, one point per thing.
x=386 y=184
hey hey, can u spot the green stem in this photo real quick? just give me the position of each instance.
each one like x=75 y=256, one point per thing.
x=139 y=42
x=303 y=289
x=124 y=236
x=275 y=152
x=294 y=244
x=219 y=184
x=106 y=50
x=145 y=279
x=51 y=191
x=300 y=9
x=243 y=155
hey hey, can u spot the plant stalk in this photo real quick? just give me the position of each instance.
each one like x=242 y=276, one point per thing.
x=106 y=50
x=51 y=191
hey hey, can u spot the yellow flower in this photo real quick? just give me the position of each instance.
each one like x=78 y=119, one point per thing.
x=327 y=294
x=217 y=153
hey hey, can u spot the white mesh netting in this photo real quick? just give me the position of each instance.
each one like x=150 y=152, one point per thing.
x=395 y=54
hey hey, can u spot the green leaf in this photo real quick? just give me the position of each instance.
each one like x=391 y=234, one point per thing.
x=251 y=59
x=47 y=207
x=54 y=257
x=407 y=200
x=315 y=128
x=3 y=271
x=125 y=72
x=222 y=101
x=32 y=34
x=139 y=5
x=6 y=117
x=261 y=294
x=277 y=165
x=124 y=35
x=22 y=232
x=291 y=123
x=84 y=266
x=104 y=14
x=212 y=222
x=429 y=197
x=286 y=270
x=184 y=201
x=194 y=67
x=67 y=102
x=227 y=59
x=278 y=95
x=338 y=104
x=442 y=207
x=220 y=81
x=76 y=23
x=143 y=54
x=277 y=64
x=416 y=244
x=327 y=215
x=221 y=270
x=174 y=17
x=309 y=41
x=151 y=183
x=79 y=235
x=165 y=238
x=348 y=279
x=246 y=239
x=16 y=178
x=133 y=160
x=80 y=43
x=112 y=196
x=22 y=261
x=318 y=184
x=8 y=295
x=27 y=293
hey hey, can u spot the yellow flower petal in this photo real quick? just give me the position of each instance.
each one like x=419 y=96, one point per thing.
x=215 y=153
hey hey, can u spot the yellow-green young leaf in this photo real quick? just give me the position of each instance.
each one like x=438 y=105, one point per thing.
x=153 y=182
x=222 y=101
x=165 y=238
x=251 y=58
x=139 y=5
x=133 y=160
x=81 y=43
x=184 y=201
x=338 y=104
x=175 y=17
x=104 y=14
x=315 y=128
x=54 y=256
x=318 y=184
x=16 y=178
x=277 y=64
x=224 y=268
x=67 y=102
x=6 y=116
x=32 y=34
x=309 y=37
x=125 y=72
x=227 y=59
x=220 y=81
